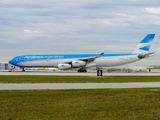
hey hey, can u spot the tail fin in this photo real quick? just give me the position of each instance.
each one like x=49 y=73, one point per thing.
x=144 y=45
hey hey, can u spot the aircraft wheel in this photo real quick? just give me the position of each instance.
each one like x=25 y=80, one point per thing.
x=82 y=70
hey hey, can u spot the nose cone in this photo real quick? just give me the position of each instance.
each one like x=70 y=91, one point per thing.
x=12 y=62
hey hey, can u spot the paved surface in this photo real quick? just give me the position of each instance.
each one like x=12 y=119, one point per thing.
x=75 y=73
x=56 y=86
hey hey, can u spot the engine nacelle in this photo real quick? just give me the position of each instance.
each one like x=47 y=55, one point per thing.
x=78 y=63
x=64 y=66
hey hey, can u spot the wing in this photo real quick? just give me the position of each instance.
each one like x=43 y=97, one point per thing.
x=87 y=60
x=91 y=59
x=82 y=62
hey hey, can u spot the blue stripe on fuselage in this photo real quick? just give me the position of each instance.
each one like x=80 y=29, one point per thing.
x=33 y=57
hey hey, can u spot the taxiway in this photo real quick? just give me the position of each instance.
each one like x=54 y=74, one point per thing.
x=73 y=73
x=62 y=86
x=56 y=86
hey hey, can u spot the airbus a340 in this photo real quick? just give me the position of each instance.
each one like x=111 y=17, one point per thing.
x=84 y=61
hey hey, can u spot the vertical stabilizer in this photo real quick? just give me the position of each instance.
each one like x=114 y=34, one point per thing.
x=145 y=44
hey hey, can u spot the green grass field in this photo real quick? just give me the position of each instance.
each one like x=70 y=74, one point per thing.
x=95 y=104
x=100 y=104
x=76 y=79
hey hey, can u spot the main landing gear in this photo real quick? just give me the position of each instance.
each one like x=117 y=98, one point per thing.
x=23 y=70
x=82 y=70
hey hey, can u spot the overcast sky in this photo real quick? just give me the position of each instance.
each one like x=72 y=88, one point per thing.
x=77 y=26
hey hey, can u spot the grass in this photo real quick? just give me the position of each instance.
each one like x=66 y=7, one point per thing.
x=76 y=79
x=99 y=104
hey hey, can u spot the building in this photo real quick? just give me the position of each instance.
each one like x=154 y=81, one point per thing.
x=153 y=68
x=5 y=66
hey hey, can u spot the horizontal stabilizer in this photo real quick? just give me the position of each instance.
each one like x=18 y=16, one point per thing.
x=140 y=56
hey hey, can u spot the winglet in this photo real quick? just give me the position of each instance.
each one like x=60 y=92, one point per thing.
x=101 y=54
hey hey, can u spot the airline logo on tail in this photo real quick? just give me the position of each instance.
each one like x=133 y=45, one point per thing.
x=144 y=45
x=145 y=48
x=148 y=38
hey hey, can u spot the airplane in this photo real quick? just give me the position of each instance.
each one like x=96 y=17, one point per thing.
x=84 y=61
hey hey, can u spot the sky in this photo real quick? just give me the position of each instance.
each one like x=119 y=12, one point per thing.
x=77 y=26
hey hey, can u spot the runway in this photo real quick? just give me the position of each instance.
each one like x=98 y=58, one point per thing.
x=65 y=86
x=73 y=73
x=62 y=86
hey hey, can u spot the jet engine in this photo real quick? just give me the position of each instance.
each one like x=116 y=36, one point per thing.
x=64 y=66
x=78 y=63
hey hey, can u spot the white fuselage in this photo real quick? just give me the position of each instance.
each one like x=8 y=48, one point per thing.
x=98 y=62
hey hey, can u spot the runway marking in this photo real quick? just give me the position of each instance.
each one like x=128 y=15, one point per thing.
x=15 y=73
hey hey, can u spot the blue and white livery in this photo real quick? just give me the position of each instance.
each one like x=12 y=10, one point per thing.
x=83 y=61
